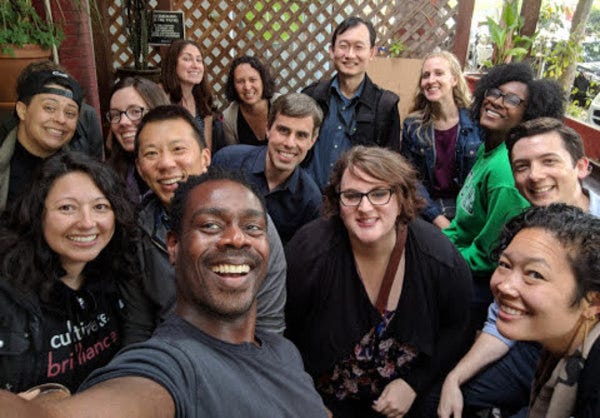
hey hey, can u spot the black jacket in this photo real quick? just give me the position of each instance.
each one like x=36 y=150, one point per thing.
x=377 y=115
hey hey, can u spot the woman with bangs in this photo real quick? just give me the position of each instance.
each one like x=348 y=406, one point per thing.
x=69 y=284
x=377 y=298
x=439 y=138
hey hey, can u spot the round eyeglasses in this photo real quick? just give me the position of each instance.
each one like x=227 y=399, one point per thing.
x=509 y=99
x=375 y=196
x=132 y=112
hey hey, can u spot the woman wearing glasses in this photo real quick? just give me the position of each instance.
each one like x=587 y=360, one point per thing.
x=439 y=138
x=504 y=97
x=377 y=298
x=131 y=98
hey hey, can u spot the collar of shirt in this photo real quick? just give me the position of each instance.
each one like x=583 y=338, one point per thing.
x=335 y=87
x=258 y=168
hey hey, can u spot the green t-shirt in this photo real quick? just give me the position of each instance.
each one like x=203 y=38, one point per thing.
x=486 y=201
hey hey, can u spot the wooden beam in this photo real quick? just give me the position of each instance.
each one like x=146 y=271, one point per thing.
x=463 y=30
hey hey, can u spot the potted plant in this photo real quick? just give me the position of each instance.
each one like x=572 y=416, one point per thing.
x=136 y=15
x=24 y=37
x=20 y=24
x=508 y=43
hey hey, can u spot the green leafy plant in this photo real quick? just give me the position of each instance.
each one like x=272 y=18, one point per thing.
x=509 y=44
x=20 y=24
x=558 y=56
x=396 y=48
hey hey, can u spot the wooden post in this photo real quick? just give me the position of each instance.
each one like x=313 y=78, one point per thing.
x=463 y=30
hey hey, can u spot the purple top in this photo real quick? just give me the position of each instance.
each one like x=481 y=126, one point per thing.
x=445 y=162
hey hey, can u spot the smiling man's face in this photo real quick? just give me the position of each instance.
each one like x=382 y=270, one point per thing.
x=222 y=250
x=168 y=154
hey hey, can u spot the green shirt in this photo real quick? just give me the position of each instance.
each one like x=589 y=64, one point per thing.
x=486 y=201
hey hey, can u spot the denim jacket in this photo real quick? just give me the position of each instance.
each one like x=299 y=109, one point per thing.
x=419 y=149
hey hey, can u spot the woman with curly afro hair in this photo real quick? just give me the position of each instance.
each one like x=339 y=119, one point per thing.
x=505 y=97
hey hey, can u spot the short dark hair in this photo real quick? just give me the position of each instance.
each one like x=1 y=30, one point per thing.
x=545 y=96
x=382 y=164
x=213 y=173
x=571 y=140
x=28 y=262
x=169 y=112
x=296 y=105
x=350 y=23
x=265 y=76
x=577 y=231
x=38 y=81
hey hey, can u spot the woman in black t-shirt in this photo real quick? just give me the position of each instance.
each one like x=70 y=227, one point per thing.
x=66 y=262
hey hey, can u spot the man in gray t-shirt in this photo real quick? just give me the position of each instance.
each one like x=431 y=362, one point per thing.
x=206 y=360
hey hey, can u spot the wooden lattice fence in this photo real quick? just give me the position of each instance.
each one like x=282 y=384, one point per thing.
x=293 y=36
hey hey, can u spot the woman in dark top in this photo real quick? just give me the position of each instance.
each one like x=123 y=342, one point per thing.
x=251 y=90
x=130 y=99
x=68 y=276
x=439 y=138
x=547 y=285
x=184 y=80
x=377 y=298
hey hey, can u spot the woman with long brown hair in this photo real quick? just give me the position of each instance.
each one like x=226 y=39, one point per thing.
x=184 y=80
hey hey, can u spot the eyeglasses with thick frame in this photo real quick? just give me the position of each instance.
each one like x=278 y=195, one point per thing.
x=377 y=197
x=133 y=113
x=509 y=99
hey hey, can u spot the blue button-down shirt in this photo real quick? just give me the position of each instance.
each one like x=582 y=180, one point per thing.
x=292 y=204
x=334 y=136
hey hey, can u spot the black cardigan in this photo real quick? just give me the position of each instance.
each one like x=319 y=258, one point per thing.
x=328 y=310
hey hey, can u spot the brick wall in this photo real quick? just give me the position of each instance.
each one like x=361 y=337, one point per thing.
x=76 y=53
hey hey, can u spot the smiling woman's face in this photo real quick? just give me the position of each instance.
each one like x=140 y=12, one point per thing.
x=534 y=286
x=78 y=220
x=125 y=130
x=496 y=115
x=368 y=223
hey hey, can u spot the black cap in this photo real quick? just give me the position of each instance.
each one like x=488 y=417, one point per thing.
x=37 y=82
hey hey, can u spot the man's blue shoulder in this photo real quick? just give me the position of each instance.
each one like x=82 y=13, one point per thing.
x=237 y=156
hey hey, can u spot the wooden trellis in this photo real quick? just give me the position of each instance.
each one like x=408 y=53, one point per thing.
x=292 y=36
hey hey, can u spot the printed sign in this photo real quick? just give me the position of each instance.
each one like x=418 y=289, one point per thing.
x=166 y=27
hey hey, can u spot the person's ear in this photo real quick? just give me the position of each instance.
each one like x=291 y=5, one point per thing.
x=206 y=158
x=373 y=53
x=593 y=305
x=21 y=109
x=172 y=247
x=583 y=168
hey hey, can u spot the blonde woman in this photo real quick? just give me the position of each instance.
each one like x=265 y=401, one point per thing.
x=439 y=138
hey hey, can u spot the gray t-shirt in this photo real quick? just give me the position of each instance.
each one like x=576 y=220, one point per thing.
x=207 y=377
